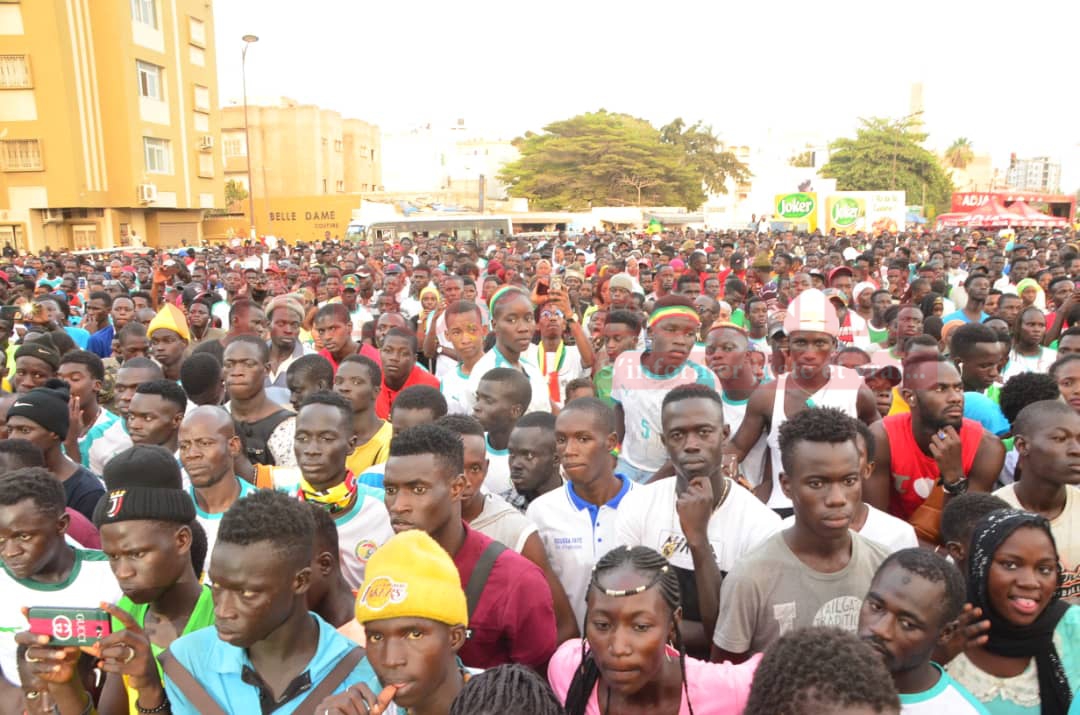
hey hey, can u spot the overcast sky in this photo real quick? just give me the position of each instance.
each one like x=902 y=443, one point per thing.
x=1002 y=76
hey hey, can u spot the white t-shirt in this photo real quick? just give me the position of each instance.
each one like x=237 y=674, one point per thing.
x=493 y=359
x=455 y=386
x=647 y=517
x=361 y=530
x=883 y=529
x=947 y=696
x=90 y=582
x=503 y=523
x=1066 y=530
x=497 y=480
x=753 y=464
x=112 y=441
x=576 y=534
x=570 y=369
x=641 y=394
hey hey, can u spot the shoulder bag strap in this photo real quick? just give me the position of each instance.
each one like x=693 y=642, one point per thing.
x=186 y=683
x=330 y=683
x=480 y=574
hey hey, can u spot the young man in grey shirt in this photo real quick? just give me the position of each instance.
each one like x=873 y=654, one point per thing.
x=816 y=572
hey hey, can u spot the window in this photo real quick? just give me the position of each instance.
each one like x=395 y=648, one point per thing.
x=156 y=155
x=202 y=122
x=196 y=56
x=21 y=155
x=337 y=145
x=14 y=72
x=197 y=31
x=233 y=144
x=150 y=80
x=144 y=12
x=206 y=165
x=324 y=182
x=340 y=185
x=202 y=98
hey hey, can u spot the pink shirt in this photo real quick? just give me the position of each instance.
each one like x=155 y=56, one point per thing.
x=714 y=688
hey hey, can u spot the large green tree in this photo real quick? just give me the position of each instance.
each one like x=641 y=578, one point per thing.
x=889 y=155
x=606 y=158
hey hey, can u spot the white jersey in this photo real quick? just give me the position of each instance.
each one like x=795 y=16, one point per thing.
x=841 y=392
x=211 y=522
x=497 y=480
x=362 y=529
x=112 y=442
x=641 y=394
x=947 y=696
x=576 y=534
x=90 y=582
x=527 y=363
x=569 y=369
x=753 y=464
x=647 y=517
x=454 y=385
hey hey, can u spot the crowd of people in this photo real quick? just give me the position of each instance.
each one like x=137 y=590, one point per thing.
x=672 y=473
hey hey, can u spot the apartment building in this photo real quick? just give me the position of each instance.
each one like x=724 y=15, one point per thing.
x=108 y=123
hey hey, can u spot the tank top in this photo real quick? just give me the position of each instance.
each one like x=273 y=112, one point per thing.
x=914 y=473
x=841 y=392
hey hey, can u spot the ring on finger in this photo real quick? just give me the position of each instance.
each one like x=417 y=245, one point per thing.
x=31 y=659
x=130 y=655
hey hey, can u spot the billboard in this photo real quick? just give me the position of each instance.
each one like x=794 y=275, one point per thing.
x=870 y=211
x=799 y=208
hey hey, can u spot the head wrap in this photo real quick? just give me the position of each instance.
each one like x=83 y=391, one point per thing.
x=170 y=318
x=411 y=576
x=46 y=405
x=674 y=311
x=144 y=482
x=1009 y=640
x=430 y=289
x=1040 y=296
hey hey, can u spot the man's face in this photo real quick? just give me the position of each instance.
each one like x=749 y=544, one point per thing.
x=901 y=618
x=725 y=352
x=825 y=486
x=206 y=450
x=96 y=310
x=128 y=380
x=398 y=359
x=30 y=372
x=167 y=347
x=809 y=351
x=981 y=368
x=674 y=337
x=936 y=393
x=415 y=651
x=20 y=427
x=997 y=265
x=29 y=537
x=151 y=419
x=284 y=329
x=694 y=437
x=353 y=381
x=618 y=338
x=1019 y=271
x=1009 y=307
x=1053 y=450
x=245 y=372
x=979 y=288
x=123 y=309
x=466 y=332
x=255 y=587
x=909 y=323
x=532 y=458
x=83 y=385
x=335 y=333
x=324 y=438
x=146 y=556
x=301 y=385
x=421 y=492
x=1068 y=344
x=493 y=407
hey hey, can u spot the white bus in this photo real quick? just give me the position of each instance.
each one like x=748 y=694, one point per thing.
x=462 y=227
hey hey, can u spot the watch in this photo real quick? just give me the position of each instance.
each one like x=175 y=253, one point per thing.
x=960 y=486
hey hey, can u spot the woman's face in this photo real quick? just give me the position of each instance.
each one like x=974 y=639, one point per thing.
x=1023 y=576
x=1068 y=380
x=628 y=635
x=429 y=301
x=1028 y=296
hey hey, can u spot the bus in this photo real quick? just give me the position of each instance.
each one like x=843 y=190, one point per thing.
x=461 y=227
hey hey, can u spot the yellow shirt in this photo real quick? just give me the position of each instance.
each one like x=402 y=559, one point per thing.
x=899 y=406
x=375 y=451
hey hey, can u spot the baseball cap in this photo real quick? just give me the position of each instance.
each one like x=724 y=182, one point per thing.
x=350 y=282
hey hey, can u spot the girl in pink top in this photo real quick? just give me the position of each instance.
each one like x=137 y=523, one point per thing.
x=625 y=663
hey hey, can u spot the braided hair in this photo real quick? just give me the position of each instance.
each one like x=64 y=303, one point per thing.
x=506 y=689
x=660 y=575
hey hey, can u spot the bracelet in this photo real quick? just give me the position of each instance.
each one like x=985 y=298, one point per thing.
x=163 y=707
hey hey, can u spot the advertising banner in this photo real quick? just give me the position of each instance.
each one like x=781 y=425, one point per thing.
x=870 y=211
x=801 y=208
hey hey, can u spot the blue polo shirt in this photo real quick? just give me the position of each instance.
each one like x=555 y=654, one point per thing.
x=225 y=671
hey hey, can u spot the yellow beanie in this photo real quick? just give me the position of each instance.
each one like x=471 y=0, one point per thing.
x=411 y=576
x=171 y=318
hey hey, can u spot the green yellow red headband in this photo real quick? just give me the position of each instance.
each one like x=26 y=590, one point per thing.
x=497 y=296
x=674 y=311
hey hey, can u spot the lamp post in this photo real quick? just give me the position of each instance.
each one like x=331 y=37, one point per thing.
x=248 y=39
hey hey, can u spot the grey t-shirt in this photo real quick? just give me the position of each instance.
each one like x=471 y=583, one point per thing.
x=771 y=592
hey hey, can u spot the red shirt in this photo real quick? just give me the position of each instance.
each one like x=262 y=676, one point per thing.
x=387 y=394
x=82 y=530
x=515 y=617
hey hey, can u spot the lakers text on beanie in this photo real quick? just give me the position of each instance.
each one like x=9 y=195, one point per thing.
x=46 y=405
x=144 y=482
x=411 y=576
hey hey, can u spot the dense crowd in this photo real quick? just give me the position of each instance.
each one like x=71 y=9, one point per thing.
x=680 y=472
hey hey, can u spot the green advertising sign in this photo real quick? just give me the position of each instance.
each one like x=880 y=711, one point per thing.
x=845 y=212
x=793 y=206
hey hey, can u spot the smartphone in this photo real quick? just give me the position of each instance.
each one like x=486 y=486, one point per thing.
x=556 y=283
x=70 y=626
x=11 y=312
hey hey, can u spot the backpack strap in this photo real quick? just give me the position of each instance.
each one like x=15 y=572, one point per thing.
x=480 y=574
x=186 y=684
x=333 y=679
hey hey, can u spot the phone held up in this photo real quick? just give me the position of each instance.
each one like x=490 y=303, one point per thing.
x=69 y=626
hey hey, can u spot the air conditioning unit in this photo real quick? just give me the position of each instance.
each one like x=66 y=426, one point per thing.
x=52 y=215
x=206 y=143
x=147 y=193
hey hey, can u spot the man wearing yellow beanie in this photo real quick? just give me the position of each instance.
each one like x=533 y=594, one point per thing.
x=414 y=612
x=169 y=336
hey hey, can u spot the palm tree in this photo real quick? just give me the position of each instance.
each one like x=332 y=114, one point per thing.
x=959 y=153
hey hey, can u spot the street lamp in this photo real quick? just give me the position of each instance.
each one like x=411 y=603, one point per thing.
x=248 y=39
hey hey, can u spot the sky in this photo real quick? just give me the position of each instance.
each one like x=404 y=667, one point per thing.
x=1003 y=78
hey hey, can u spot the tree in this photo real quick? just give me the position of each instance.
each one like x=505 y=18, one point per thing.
x=234 y=192
x=803 y=160
x=888 y=155
x=959 y=154
x=703 y=151
x=606 y=158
